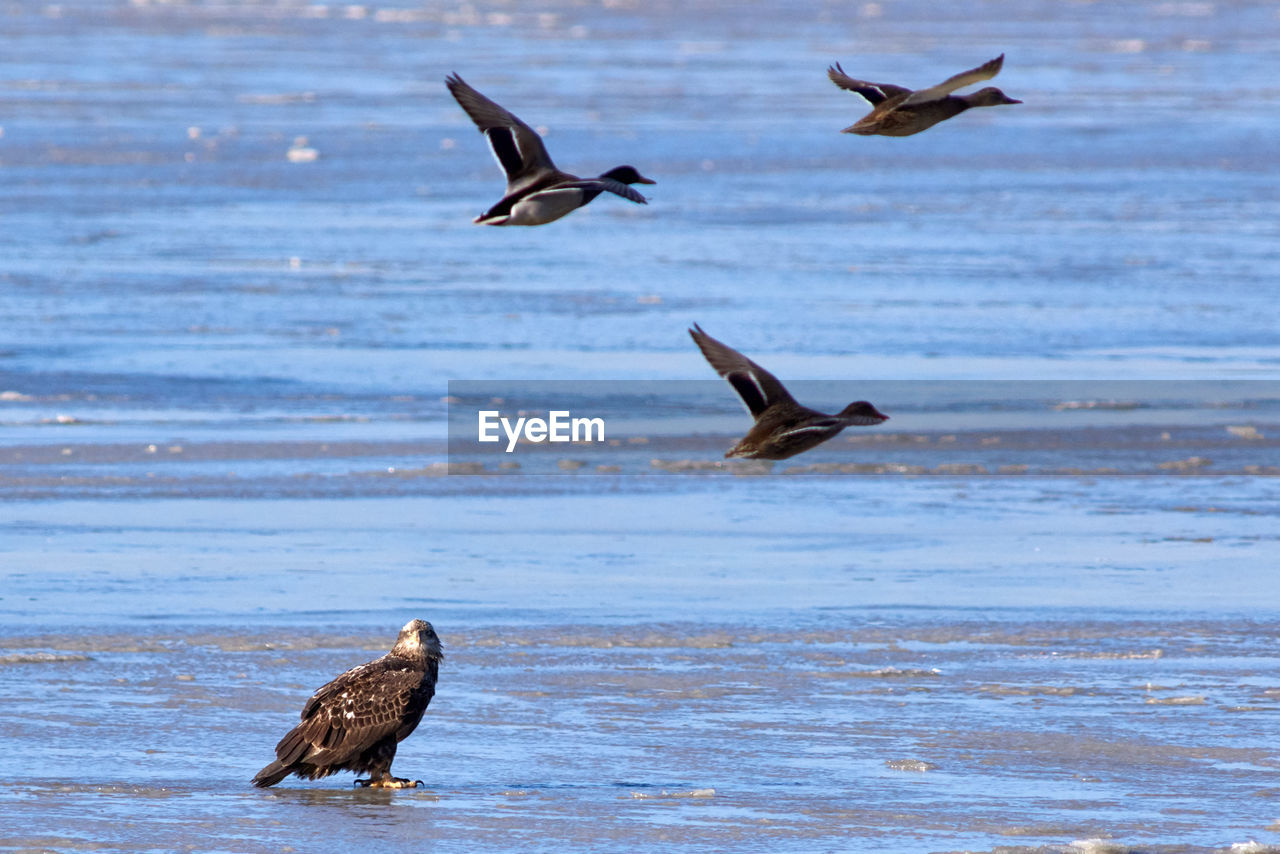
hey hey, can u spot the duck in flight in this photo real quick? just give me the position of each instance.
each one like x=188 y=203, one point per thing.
x=898 y=111
x=783 y=427
x=537 y=192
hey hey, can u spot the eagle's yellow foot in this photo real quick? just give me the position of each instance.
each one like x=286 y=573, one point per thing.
x=389 y=783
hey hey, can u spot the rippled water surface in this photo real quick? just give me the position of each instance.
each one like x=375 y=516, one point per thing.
x=1035 y=610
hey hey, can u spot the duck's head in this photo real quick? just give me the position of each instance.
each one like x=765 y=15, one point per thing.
x=990 y=97
x=862 y=414
x=627 y=175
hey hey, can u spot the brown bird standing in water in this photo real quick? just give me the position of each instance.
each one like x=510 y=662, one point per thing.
x=356 y=721
x=783 y=427
x=898 y=111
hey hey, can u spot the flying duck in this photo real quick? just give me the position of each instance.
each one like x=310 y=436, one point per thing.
x=783 y=427
x=898 y=111
x=537 y=192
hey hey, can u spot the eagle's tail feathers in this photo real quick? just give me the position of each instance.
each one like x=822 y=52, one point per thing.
x=293 y=748
x=272 y=774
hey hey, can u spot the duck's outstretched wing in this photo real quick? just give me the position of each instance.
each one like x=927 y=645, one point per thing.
x=593 y=187
x=758 y=388
x=516 y=146
x=873 y=92
x=985 y=71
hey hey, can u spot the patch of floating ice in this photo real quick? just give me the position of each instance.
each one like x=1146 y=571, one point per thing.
x=301 y=152
x=277 y=98
x=1116 y=656
x=918 y=765
x=745 y=467
x=901 y=671
x=1245 y=432
x=692 y=793
x=1030 y=690
x=1252 y=847
x=1128 y=45
x=1122 y=405
x=1189 y=464
x=398 y=16
x=41 y=658
x=1176 y=701
x=1099 y=846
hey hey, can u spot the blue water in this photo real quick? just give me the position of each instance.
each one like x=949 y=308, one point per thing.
x=224 y=382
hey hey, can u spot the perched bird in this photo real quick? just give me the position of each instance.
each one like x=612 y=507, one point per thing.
x=898 y=111
x=783 y=427
x=537 y=192
x=355 y=722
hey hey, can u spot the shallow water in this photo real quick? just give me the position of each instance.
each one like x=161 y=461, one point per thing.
x=902 y=728
x=226 y=380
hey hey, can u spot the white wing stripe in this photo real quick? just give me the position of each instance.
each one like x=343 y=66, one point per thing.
x=823 y=427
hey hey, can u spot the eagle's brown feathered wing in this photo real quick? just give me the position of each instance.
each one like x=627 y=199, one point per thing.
x=354 y=721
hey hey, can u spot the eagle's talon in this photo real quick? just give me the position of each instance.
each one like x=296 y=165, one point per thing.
x=389 y=783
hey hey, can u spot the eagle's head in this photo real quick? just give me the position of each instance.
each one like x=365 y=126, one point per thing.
x=418 y=639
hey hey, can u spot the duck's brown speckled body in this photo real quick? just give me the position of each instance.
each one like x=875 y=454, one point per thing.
x=783 y=427
x=898 y=111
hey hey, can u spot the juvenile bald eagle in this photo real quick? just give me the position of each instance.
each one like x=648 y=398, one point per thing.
x=355 y=722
